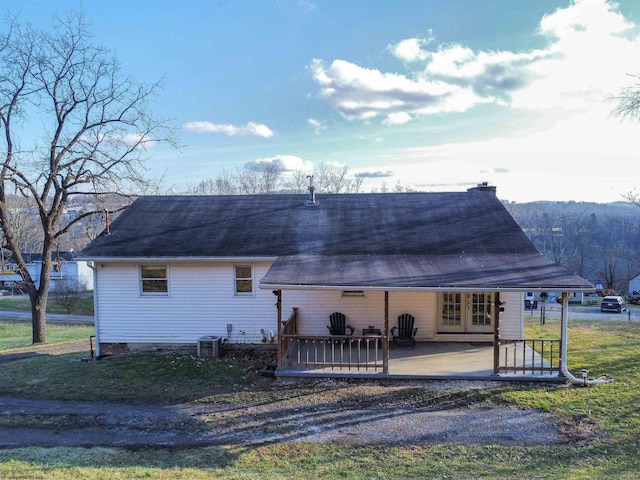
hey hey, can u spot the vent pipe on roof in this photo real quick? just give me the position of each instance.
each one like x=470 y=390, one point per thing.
x=312 y=193
x=482 y=187
x=107 y=222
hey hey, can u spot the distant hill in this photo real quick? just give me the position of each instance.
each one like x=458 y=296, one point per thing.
x=600 y=242
x=615 y=209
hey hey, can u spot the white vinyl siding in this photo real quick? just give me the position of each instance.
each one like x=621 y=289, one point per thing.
x=314 y=308
x=512 y=319
x=202 y=302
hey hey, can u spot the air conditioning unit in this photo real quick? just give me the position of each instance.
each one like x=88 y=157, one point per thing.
x=209 y=347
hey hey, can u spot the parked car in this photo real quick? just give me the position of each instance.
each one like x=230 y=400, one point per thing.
x=612 y=303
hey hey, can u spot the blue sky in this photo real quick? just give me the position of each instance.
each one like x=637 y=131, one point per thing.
x=436 y=95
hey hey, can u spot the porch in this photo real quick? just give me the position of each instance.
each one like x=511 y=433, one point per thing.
x=371 y=356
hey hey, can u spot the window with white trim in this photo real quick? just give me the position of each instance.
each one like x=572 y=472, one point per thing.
x=243 y=276
x=154 y=280
x=451 y=308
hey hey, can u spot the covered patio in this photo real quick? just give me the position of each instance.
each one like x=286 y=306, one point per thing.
x=373 y=356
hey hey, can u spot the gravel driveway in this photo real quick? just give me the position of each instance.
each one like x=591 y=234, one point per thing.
x=304 y=418
x=326 y=411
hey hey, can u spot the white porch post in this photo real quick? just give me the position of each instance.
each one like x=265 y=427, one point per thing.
x=496 y=335
x=564 y=324
x=385 y=340
x=280 y=352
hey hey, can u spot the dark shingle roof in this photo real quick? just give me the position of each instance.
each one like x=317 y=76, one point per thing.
x=391 y=239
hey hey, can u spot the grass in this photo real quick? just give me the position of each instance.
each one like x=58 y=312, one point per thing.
x=22 y=303
x=17 y=334
x=611 y=410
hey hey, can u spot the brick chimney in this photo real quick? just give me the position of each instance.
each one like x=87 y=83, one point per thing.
x=483 y=187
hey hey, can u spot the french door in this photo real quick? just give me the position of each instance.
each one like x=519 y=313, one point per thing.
x=465 y=312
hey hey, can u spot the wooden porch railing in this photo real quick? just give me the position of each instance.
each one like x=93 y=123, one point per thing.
x=335 y=352
x=288 y=330
x=535 y=356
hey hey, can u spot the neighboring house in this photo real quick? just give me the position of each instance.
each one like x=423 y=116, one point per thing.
x=249 y=269
x=66 y=267
x=552 y=297
x=634 y=284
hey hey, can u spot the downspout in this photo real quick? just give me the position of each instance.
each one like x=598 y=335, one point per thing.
x=564 y=321
x=94 y=267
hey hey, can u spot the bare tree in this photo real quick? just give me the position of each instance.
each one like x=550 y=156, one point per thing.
x=628 y=106
x=89 y=126
x=297 y=182
x=632 y=197
x=629 y=101
x=22 y=217
x=271 y=178
x=336 y=179
x=262 y=179
x=68 y=294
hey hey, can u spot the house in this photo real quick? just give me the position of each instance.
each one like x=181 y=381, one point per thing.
x=66 y=267
x=552 y=297
x=262 y=268
x=634 y=284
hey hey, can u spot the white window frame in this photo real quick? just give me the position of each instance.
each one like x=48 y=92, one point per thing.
x=237 y=279
x=142 y=279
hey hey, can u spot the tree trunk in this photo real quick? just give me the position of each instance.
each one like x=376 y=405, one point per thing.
x=39 y=316
x=39 y=296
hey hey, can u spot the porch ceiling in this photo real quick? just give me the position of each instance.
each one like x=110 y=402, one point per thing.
x=523 y=272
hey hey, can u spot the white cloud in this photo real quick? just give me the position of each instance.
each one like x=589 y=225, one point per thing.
x=251 y=128
x=128 y=140
x=593 y=17
x=318 y=125
x=283 y=163
x=590 y=58
x=588 y=51
x=398 y=118
x=361 y=93
x=585 y=156
x=307 y=5
x=411 y=49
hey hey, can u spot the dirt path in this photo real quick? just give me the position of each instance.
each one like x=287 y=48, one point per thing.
x=50 y=349
x=327 y=413
x=25 y=422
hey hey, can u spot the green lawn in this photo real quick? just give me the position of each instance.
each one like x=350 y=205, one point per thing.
x=611 y=410
x=17 y=334
x=21 y=303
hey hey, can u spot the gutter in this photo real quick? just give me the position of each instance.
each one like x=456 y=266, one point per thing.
x=450 y=288
x=97 y=260
x=92 y=266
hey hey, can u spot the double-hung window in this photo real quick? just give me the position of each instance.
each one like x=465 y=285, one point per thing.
x=243 y=277
x=154 y=280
